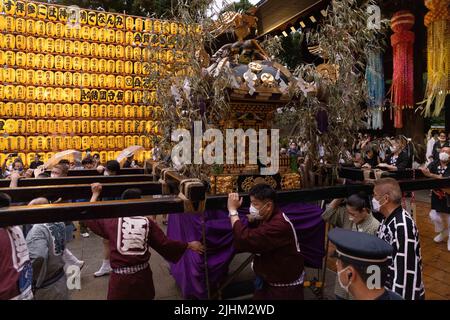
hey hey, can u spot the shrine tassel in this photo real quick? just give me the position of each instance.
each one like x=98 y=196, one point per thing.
x=376 y=90
x=402 y=89
x=437 y=22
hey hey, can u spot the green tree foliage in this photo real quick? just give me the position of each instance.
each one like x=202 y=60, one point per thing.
x=238 y=6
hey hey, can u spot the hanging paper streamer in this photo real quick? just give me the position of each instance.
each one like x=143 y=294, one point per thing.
x=437 y=22
x=376 y=90
x=402 y=90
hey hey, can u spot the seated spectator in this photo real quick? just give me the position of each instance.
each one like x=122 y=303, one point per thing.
x=371 y=157
x=438 y=145
x=398 y=159
x=60 y=170
x=112 y=168
x=46 y=244
x=88 y=163
x=36 y=162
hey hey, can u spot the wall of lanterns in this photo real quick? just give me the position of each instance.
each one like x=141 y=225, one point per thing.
x=76 y=79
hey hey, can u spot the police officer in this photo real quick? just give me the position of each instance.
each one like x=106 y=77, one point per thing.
x=362 y=262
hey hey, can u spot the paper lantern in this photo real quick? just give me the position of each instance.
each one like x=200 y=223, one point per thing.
x=58 y=94
x=58 y=112
x=110 y=142
x=31 y=126
x=93 y=126
x=67 y=124
x=85 y=82
x=59 y=29
x=40 y=28
x=128 y=141
x=111 y=51
x=68 y=143
x=119 y=126
x=129 y=37
x=59 y=46
x=49 y=111
x=49 y=45
x=67 y=78
x=102 y=65
x=76 y=94
x=8 y=110
x=110 y=36
x=157 y=26
x=59 y=78
x=76 y=48
x=40 y=126
x=49 y=78
x=85 y=142
x=49 y=61
x=10 y=24
x=39 y=61
x=85 y=48
x=10 y=58
x=137 y=38
x=76 y=126
x=120 y=37
x=85 y=65
x=119 y=22
x=119 y=111
x=67 y=110
x=119 y=143
x=31 y=109
x=120 y=66
x=20 y=25
x=85 y=111
x=59 y=62
x=128 y=67
x=76 y=33
x=52 y=13
x=12 y=143
x=20 y=109
x=94 y=143
x=68 y=63
x=94 y=65
x=92 y=18
x=9 y=41
x=31 y=10
x=68 y=31
x=103 y=95
x=30 y=93
x=94 y=33
x=21 y=61
x=85 y=126
x=111 y=21
x=166 y=27
x=101 y=19
x=85 y=94
x=83 y=17
x=50 y=126
x=76 y=63
x=110 y=66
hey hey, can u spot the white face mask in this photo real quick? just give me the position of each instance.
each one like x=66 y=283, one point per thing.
x=393 y=149
x=255 y=212
x=443 y=156
x=376 y=206
x=106 y=173
x=340 y=281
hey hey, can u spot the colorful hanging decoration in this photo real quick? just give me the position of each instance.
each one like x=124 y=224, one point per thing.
x=375 y=87
x=402 y=41
x=437 y=22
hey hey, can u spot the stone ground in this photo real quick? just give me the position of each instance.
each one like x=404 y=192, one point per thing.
x=436 y=261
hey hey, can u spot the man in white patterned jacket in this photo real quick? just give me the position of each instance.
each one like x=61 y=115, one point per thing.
x=400 y=231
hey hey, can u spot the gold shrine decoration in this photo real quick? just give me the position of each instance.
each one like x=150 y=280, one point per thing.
x=437 y=21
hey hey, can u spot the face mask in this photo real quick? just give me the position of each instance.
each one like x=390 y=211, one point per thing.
x=340 y=281
x=443 y=156
x=393 y=149
x=255 y=212
x=376 y=206
x=53 y=175
x=106 y=173
x=351 y=218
